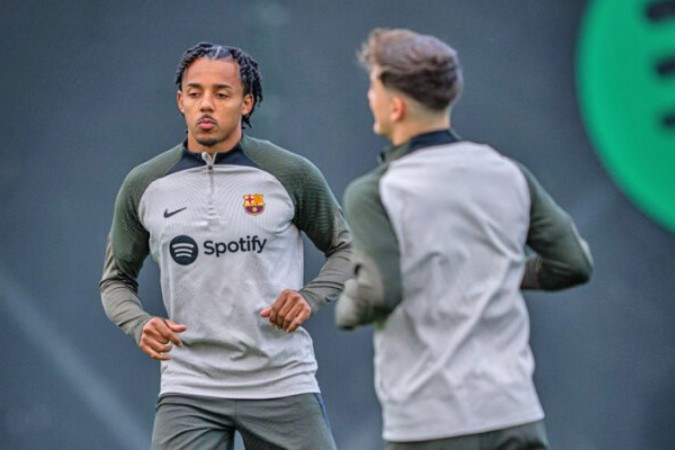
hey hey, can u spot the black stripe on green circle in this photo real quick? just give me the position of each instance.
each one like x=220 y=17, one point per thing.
x=626 y=88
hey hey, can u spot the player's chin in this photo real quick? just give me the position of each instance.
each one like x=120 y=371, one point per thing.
x=208 y=141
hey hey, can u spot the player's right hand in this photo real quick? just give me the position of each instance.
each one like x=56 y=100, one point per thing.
x=157 y=337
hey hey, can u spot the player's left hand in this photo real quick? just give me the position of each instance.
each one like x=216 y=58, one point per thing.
x=288 y=311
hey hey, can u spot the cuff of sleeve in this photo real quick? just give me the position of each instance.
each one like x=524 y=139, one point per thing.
x=312 y=299
x=135 y=329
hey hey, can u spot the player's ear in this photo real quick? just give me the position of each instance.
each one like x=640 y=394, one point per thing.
x=398 y=108
x=179 y=100
x=247 y=104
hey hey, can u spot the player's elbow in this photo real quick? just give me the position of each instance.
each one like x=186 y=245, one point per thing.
x=582 y=269
x=577 y=269
x=581 y=275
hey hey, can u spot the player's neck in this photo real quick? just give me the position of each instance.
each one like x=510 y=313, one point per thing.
x=405 y=131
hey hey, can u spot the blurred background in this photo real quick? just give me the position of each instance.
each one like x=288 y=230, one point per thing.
x=87 y=93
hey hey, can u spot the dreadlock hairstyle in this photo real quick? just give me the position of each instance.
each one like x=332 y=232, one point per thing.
x=248 y=69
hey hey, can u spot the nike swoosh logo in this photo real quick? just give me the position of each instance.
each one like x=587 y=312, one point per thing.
x=168 y=213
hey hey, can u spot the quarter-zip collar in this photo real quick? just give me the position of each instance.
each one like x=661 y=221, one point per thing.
x=191 y=160
x=235 y=156
x=220 y=157
x=430 y=139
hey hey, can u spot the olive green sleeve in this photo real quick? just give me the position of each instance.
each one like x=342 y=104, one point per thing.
x=562 y=258
x=317 y=214
x=128 y=247
x=375 y=289
x=119 y=295
x=126 y=250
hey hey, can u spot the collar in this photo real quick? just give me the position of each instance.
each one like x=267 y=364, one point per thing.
x=221 y=157
x=424 y=140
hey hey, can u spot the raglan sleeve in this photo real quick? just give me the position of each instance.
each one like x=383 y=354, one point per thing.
x=375 y=287
x=126 y=249
x=320 y=217
x=561 y=257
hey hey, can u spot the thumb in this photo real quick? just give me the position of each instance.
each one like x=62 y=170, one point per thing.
x=266 y=312
x=173 y=326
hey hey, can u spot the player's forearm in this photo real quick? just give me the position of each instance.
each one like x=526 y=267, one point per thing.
x=330 y=281
x=563 y=263
x=563 y=258
x=123 y=307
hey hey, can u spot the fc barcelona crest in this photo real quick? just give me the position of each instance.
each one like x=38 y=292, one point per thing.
x=254 y=204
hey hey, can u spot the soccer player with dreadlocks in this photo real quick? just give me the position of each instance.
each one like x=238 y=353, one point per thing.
x=222 y=214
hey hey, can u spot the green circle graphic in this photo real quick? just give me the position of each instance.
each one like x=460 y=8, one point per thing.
x=626 y=88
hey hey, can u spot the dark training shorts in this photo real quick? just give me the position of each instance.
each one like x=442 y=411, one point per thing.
x=531 y=436
x=296 y=422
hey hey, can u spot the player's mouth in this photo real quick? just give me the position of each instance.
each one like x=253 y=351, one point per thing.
x=206 y=123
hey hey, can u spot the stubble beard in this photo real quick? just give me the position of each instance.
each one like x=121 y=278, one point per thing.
x=208 y=142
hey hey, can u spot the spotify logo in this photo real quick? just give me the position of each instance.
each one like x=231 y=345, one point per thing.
x=183 y=250
x=626 y=80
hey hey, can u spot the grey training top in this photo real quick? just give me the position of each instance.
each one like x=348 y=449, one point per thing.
x=439 y=257
x=226 y=234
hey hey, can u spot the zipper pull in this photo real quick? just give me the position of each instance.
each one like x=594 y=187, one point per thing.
x=209 y=160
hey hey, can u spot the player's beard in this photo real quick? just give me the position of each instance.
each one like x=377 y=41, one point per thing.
x=208 y=142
